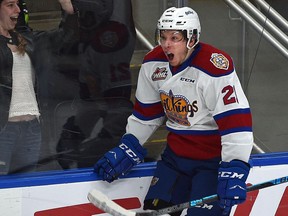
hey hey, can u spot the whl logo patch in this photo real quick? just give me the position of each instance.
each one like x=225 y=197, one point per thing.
x=159 y=74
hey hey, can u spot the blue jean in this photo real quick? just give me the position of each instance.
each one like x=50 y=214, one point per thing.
x=20 y=144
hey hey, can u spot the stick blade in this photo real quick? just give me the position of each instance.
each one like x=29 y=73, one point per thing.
x=101 y=201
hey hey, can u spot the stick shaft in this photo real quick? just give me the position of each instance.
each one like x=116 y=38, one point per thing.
x=270 y=183
x=103 y=202
x=210 y=199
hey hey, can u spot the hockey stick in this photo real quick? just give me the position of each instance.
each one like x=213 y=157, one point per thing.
x=101 y=201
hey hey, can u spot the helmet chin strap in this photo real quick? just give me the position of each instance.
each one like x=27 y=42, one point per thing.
x=191 y=47
x=189 y=52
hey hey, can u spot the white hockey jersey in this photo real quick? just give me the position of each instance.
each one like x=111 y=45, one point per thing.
x=207 y=111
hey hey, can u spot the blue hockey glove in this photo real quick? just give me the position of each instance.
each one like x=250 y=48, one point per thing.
x=119 y=160
x=231 y=184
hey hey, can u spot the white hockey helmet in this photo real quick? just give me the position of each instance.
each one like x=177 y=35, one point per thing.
x=183 y=18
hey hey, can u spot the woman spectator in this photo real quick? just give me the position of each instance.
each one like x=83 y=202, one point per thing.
x=20 y=131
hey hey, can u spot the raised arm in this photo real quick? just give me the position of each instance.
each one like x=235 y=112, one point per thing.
x=67 y=6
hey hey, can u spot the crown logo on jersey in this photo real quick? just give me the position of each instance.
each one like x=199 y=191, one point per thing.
x=159 y=74
x=219 y=61
x=177 y=107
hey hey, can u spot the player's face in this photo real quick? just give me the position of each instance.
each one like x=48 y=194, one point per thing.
x=174 y=46
x=9 y=12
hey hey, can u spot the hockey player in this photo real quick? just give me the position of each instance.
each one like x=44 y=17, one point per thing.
x=209 y=121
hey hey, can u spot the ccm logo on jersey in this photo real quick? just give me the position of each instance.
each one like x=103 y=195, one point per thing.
x=187 y=80
x=230 y=175
x=130 y=153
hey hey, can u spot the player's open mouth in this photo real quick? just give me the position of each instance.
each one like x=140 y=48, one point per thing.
x=170 y=56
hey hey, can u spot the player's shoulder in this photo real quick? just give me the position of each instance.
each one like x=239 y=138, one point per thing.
x=156 y=54
x=212 y=61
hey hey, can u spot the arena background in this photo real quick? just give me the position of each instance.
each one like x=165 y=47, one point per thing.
x=262 y=69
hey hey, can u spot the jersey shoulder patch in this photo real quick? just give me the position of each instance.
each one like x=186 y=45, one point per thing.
x=212 y=61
